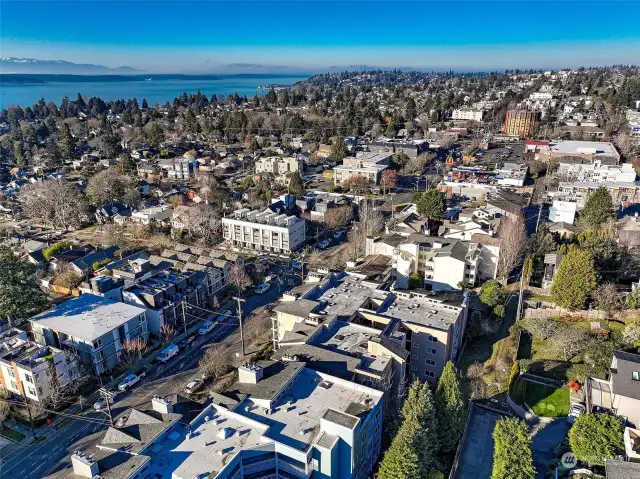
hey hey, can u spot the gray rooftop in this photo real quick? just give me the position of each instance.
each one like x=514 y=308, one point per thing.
x=111 y=464
x=622 y=382
x=276 y=375
x=425 y=309
x=88 y=317
x=300 y=308
x=135 y=430
x=616 y=469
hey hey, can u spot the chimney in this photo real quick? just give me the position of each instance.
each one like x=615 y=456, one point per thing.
x=84 y=465
x=437 y=245
x=250 y=373
x=161 y=405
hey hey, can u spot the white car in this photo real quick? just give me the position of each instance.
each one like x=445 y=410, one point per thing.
x=127 y=382
x=324 y=244
x=206 y=328
x=574 y=411
x=224 y=316
x=102 y=401
x=262 y=288
x=194 y=386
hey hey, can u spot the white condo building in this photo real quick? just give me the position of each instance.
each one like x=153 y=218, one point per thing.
x=264 y=231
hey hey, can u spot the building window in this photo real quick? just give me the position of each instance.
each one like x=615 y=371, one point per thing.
x=432 y=339
x=97 y=343
x=32 y=391
x=432 y=351
x=414 y=356
x=431 y=374
x=413 y=368
x=635 y=375
x=415 y=345
x=431 y=362
x=14 y=385
x=28 y=378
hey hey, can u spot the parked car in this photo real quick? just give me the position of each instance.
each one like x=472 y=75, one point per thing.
x=206 y=328
x=338 y=235
x=223 y=317
x=129 y=381
x=167 y=353
x=194 y=386
x=102 y=401
x=574 y=411
x=262 y=288
x=324 y=244
x=296 y=265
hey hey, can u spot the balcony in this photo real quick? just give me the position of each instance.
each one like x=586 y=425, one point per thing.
x=298 y=470
x=258 y=466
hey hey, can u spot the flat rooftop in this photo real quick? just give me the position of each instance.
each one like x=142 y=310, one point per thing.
x=347 y=337
x=571 y=147
x=217 y=436
x=437 y=311
x=349 y=294
x=295 y=419
x=88 y=316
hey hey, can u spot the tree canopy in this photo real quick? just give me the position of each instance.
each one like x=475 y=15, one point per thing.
x=450 y=409
x=412 y=454
x=512 y=457
x=431 y=204
x=20 y=296
x=595 y=437
x=338 y=150
x=597 y=210
x=575 y=279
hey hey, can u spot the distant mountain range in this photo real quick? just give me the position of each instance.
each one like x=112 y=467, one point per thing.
x=31 y=65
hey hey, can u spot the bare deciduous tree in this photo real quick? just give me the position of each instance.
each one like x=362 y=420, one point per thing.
x=608 y=298
x=55 y=203
x=206 y=220
x=5 y=409
x=167 y=331
x=216 y=361
x=239 y=278
x=370 y=223
x=475 y=375
x=514 y=236
x=257 y=328
x=113 y=235
x=132 y=351
x=336 y=218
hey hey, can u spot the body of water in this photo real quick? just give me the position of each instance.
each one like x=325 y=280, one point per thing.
x=155 y=91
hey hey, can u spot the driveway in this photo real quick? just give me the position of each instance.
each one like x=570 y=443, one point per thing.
x=476 y=456
x=544 y=441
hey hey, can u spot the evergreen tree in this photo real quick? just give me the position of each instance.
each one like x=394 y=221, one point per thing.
x=339 y=150
x=598 y=209
x=413 y=451
x=595 y=437
x=18 y=155
x=155 y=134
x=450 y=409
x=512 y=457
x=145 y=105
x=296 y=185
x=432 y=205
x=66 y=142
x=574 y=280
x=20 y=296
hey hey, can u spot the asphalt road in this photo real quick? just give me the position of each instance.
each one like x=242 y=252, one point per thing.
x=52 y=455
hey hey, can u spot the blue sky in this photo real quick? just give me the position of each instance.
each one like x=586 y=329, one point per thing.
x=208 y=36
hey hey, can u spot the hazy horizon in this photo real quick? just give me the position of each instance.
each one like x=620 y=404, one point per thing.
x=194 y=37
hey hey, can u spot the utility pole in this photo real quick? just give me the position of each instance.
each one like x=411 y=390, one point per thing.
x=107 y=399
x=519 y=311
x=33 y=429
x=184 y=318
x=240 y=301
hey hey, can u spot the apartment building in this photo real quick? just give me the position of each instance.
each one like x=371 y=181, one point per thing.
x=352 y=327
x=512 y=174
x=264 y=231
x=589 y=151
x=31 y=370
x=411 y=148
x=285 y=420
x=179 y=169
x=442 y=263
x=467 y=114
x=579 y=169
x=93 y=326
x=520 y=122
x=366 y=165
x=580 y=192
x=279 y=165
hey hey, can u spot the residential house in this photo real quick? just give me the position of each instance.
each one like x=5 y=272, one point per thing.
x=620 y=393
x=563 y=212
x=161 y=213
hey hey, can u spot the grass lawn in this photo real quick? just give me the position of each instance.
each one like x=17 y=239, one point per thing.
x=547 y=401
x=11 y=434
